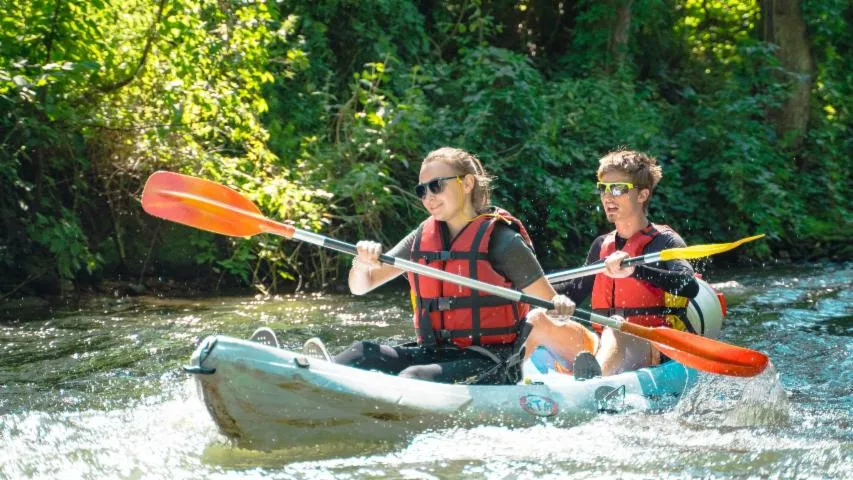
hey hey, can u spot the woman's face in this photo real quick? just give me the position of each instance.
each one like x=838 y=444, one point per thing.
x=626 y=206
x=453 y=190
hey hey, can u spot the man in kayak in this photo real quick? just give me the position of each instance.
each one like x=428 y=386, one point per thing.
x=648 y=295
x=463 y=335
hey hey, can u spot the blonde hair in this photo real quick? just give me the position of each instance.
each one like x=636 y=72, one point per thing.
x=464 y=163
x=642 y=168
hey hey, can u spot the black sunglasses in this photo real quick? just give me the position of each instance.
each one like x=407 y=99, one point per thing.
x=436 y=186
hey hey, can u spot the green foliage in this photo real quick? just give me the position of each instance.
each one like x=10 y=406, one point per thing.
x=65 y=240
x=489 y=100
x=320 y=112
x=586 y=118
x=108 y=96
x=735 y=163
x=826 y=161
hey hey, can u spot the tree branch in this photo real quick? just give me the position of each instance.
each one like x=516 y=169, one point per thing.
x=148 y=43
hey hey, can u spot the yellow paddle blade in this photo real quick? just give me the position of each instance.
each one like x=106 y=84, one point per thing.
x=701 y=251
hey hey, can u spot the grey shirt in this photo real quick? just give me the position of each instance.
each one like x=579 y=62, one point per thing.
x=508 y=253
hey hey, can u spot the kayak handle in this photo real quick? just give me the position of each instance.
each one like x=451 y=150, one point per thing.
x=205 y=348
x=198 y=370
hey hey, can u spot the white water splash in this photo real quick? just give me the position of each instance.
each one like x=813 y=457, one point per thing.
x=160 y=437
x=720 y=401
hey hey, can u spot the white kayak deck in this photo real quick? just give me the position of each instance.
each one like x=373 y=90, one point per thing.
x=264 y=397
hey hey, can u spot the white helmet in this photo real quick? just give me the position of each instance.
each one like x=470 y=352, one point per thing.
x=705 y=312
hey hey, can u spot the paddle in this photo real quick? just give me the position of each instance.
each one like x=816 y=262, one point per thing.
x=683 y=253
x=213 y=207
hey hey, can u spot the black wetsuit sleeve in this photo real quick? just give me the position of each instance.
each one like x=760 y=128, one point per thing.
x=673 y=276
x=513 y=258
x=579 y=289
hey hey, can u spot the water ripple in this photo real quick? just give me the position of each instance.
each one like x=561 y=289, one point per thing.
x=96 y=391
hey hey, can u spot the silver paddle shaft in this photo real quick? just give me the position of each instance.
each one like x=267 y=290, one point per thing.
x=414 y=267
x=598 y=267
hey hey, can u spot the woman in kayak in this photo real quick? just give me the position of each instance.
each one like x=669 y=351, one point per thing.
x=653 y=296
x=462 y=333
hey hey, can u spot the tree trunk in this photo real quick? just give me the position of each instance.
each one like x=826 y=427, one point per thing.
x=785 y=27
x=620 y=30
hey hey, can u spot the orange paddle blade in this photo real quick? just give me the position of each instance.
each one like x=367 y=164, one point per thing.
x=701 y=353
x=205 y=205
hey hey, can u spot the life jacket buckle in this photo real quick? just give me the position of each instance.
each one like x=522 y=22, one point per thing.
x=444 y=255
x=444 y=335
x=445 y=303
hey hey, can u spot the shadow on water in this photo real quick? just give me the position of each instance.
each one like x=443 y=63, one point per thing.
x=221 y=454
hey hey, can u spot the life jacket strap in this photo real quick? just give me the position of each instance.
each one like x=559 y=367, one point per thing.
x=447 y=335
x=425 y=332
x=445 y=255
x=482 y=351
x=507 y=371
x=442 y=304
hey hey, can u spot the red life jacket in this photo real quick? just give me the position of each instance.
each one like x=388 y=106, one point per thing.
x=448 y=313
x=636 y=300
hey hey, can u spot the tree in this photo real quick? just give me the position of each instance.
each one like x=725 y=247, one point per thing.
x=620 y=30
x=784 y=26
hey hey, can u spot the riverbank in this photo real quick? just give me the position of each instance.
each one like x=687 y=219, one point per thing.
x=18 y=305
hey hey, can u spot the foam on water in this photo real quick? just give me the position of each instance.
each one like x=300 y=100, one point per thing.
x=99 y=394
x=158 y=438
x=720 y=401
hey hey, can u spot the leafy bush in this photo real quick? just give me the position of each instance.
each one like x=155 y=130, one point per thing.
x=320 y=112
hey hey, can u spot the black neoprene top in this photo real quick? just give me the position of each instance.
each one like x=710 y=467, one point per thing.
x=673 y=276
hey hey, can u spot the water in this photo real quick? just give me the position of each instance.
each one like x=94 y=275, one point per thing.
x=97 y=392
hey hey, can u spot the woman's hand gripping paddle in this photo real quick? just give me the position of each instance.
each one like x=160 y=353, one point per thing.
x=216 y=208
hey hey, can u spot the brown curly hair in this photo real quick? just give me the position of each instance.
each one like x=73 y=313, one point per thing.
x=642 y=168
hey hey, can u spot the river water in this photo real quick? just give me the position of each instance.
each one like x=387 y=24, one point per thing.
x=96 y=391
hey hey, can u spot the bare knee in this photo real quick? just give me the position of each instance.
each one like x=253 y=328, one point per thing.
x=620 y=352
x=409 y=372
x=420 y=372
x=537 y=317
x=608 y=338
x=541 y=324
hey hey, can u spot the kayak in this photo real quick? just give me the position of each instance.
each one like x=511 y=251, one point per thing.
x=264 y=398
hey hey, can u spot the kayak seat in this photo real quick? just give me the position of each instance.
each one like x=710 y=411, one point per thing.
x=314 y=348
x=265 y=336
